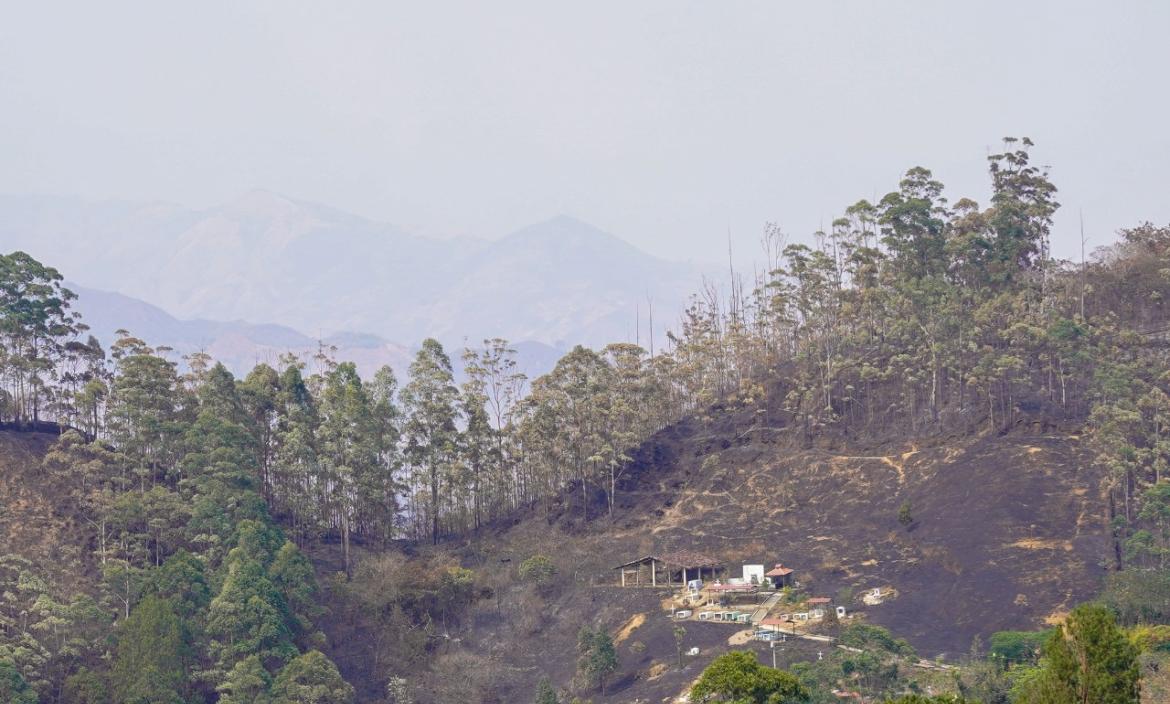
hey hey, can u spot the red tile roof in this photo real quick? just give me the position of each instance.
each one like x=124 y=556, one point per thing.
x=688 y=558
x=819 y=600
x=773 y=622
x=778 y=571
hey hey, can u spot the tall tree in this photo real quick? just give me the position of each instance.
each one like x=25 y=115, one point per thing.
x=379 y=489
x=598 y=658
x=152 y=656
x=351 y=446
x=35 y=325
x=1087 y=660
x=296 y=462
x=143 y=415
x=431 y=436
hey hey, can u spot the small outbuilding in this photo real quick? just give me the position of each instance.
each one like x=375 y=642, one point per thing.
x=780 y=576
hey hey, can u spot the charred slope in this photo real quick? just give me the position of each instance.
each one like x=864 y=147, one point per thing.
x=37 y=522
x=1004 y=531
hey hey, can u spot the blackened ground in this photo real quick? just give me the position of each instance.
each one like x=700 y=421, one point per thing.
x=1007 y=530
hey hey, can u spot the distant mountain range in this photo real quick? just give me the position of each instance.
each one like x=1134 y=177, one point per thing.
x=312 y=271
x=240 y=345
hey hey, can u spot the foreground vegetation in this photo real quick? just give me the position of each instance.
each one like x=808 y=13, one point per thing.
x=1087 y=659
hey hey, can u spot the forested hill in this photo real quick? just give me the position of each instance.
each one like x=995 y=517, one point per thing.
x=926 y=366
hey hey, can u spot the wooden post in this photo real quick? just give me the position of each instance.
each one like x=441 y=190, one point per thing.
x=653 y=573
x=623 y=576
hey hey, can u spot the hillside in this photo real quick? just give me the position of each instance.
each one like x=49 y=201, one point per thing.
x=265 y=258
x=37 y=522
x=943 y=439
x=988 y=549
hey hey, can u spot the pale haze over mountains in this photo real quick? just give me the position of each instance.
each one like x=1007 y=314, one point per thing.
x=298 y=272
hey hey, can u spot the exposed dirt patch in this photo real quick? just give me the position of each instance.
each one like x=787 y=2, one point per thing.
x=740 y=637
x=1039 y=544
x=628 y=628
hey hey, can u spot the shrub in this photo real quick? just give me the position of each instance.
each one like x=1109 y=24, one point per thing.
x=868 y=637
x=538 y=570
x=1018 y=646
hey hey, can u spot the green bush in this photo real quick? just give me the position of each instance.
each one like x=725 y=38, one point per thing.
x=869 y=637
x=1018 y=646
x=538 y=570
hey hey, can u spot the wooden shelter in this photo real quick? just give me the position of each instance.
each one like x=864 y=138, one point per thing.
x=668 y=568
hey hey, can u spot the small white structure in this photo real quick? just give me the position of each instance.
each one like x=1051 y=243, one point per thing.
x=695 y=586
x=840 y=612
x=693 y=652
x=753 y=574
x=682 y=613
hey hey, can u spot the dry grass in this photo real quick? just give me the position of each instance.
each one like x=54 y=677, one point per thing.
x=1042 y=544
x=628 y=628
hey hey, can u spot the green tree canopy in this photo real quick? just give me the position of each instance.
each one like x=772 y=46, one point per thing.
x=152 y=656
x=739 y=678
x=598 y=657
x=246 y=683
x=1087 y=659
x=13 y=688
x=311 y=678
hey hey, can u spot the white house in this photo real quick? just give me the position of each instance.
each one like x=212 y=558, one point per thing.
x=753 y=574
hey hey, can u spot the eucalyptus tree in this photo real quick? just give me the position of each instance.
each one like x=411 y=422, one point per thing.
x=495 y=385
x=296 y=466
x=570 y=401
x=143 y=417
x=36 y=324
x=350 y=448
x=430 y=432
x=378 y=489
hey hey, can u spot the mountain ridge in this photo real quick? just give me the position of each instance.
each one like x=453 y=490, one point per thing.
x=241 y=344
x=264 y=256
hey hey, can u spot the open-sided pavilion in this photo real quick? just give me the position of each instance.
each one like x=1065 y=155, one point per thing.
x=668 y=568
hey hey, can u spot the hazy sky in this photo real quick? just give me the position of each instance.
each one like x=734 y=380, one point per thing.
x=666 y=123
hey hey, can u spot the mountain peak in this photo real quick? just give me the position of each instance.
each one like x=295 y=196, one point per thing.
x=566 y=230
x=261 y=204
